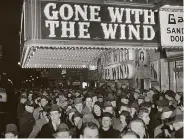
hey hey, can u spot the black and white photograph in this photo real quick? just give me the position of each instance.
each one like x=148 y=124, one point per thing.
x=91 y=69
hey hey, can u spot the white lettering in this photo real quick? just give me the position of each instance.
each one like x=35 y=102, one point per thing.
x=69 y=29
x=110 y=32
x=147 y=29
x=122 y=28
x=137 y=13
x=82 y=12
x=147 y=17
x=66 y=15
x=83 y=30
x=117 y=15
x=94 y=13
x=54 y=15
x=52 y=26
x=134 y=31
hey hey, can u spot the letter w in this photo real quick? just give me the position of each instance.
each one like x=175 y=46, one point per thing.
x=116 y=15
x=110 y=32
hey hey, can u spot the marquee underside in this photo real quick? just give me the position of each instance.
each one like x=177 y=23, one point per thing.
x=68 y=54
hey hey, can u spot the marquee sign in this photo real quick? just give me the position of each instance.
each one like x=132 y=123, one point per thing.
x=171 y=26
x=63 y=21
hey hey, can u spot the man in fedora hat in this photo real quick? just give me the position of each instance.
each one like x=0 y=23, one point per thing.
x=27 y=120
x=11 y=131
x=62 y=132
x=51 y=127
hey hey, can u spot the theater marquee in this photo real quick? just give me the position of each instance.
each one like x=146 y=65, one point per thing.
x=96 y=22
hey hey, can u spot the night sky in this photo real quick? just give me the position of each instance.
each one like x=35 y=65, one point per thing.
x=10 y=17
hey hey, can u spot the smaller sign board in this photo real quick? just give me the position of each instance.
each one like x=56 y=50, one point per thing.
x=171 y=26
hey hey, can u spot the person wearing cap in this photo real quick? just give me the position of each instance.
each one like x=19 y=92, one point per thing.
x=51 y=127
x=100 y=97
x=124 y=99
x=40 y=122
x=88 y=105
x=27 y=120
x=133 y=108
x=140 y=99
x=11 y=131
x=124 y=107
x=89 y=130
x=62 y=132
x=176 y=126
x=137 y=125
x=78 y=104
x=97 y=111
x=124 y=118
x=161 y=131
x=21 y=106
x=43 y=102
x=107 y=130
x=77 y=120
x=129 y=134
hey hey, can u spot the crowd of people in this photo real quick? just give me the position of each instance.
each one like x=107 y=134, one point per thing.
x=98 y=113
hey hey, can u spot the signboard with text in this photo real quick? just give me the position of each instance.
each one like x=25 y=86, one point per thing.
x=171 y=26
x=70 y=21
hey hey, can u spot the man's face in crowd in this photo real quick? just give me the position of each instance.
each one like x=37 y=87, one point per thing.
x=159 y=108
x=166 y=115
x=106 y=122
x=124 y=108
x=100 y=99
x=70 y=115
x=113 y=103
x=65 y=135
x=89 y=102
x=146 y=118
x=94 y=99
x=55 y=116
x=43 y=102
x=77 y=120
x=168 y=97
x=23 y=100
x=129 y=136
x=79 y=107
x=136 y=95
x=177 y=97
x=177 y=125
x=30 y=96
x=90 y=133
x=124 y=100
x=109 y=109
x=122 y=119
x=132 y=111
x=97 y=110
x=138 y=128
x=10 y=135
x=30 y=109
x=140 y=101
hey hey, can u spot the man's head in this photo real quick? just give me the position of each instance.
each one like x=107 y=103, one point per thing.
x=44 y=101
x=62 y=132
x=137 y=126
x=11 y=131
x=108 y=107
x=129 y=134
x=29 y=106
x=89 y=102
x=106 y=120
x=124 y=99
x=143 y=114
x=78 y=104
x=170 y=95
x=89 y=130
x=55 y=113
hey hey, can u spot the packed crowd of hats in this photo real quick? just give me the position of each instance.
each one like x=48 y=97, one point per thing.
x=98 y=113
